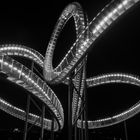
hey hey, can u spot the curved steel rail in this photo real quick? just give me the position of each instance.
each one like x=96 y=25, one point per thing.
x=24 y=77
x=79 y=50
x=20 y=50
x=95 y=81
x=113 y=78
x=95 y=28
x=23 y=51
x=104 y=79
x=72 y=10
x=21 y=114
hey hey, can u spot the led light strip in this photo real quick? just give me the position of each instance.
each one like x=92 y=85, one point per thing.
x=113 y=78
x=99 y=24
x=109 y=14
x=104 y=79
x=14 y=49
x=20 y=50
x=24 y=77
x=96 y=27
x=73 y=10
x=91 y=82
x=21 y=114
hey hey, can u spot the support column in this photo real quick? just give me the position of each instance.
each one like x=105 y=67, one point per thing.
x=79 y=134
x=52 y=129
x=86 y=122
x=42 y=122
x=75 y=131
x=125 y=129
x=86 y=107
x=70 y=92
x=27 y=114
x=82 y=130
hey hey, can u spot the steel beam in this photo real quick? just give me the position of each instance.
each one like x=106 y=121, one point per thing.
x=70 y=93
x=27 y=114
x=42 y=122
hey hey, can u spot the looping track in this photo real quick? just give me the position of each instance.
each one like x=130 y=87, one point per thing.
x=24 y=77
x=95 y=28
x=87 y=33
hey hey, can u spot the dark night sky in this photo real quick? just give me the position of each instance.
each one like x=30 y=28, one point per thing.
x=117 y=50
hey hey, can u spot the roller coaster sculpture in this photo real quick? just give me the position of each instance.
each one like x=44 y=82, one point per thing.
x=72 y=64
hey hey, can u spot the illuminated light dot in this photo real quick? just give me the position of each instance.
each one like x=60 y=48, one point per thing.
x=102 y=23
x=1 y=49
x=114 y=11
x=120 y=6
x=110 y=15
x=106 y=19
x=125 y=2
x=80 y=51
x=94 y=31
x=98 y=27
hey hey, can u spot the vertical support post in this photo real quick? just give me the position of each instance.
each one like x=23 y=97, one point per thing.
x=125 y=129
x=86 y=122
x=82 y=109
x=42 y=122
x=27 y=114
x=82 y=134
x=27 y=111
x=52 y=129
x=86 y=108
x=85 y=112
x=70 y=91
x=75 y=131
x=79 y=134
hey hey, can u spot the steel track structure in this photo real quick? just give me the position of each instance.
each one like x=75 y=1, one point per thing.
x=86 y=36
x=91 y=82
x=80 y=48
x=95 y=28
x=24 y=77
